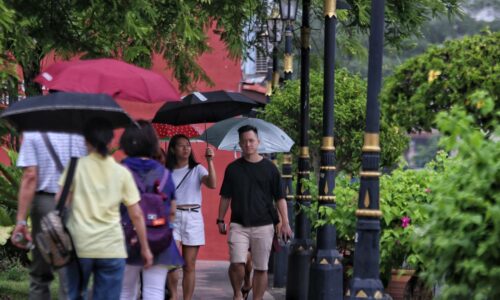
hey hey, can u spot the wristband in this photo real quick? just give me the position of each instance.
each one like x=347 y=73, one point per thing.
x=21 y=222
x=219 y=221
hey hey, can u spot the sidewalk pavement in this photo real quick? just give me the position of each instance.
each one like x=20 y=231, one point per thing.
x=212 y=282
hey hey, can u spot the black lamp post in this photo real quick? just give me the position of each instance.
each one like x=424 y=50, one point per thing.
x=275 y=30
x=366 y=283
x=288 y=12
x=301 y=247
x=326 y=276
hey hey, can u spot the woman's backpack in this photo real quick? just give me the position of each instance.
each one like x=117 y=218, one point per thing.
x=156 y=216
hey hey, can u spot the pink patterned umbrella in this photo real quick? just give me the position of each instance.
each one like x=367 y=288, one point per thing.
x=168 y=131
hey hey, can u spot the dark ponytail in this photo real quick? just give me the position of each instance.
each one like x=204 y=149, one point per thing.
x=98 y=132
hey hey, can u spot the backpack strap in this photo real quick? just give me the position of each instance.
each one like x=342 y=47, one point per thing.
x=163 y=182
x=140 y=184
x=52 y=152
x=67 y=184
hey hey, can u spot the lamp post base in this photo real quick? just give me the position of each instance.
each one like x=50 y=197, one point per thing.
x=299 y=262
x=326 y=277
x=362 y=289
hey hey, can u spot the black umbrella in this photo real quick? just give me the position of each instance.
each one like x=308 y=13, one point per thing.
x=204 y=108
x=65 y=112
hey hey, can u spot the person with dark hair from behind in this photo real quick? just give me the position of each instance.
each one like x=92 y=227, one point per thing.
x=189 y=228
x=251 y=184
x=99 y=186
x=141 y=145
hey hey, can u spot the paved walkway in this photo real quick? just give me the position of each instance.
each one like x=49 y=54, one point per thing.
x=212 y=282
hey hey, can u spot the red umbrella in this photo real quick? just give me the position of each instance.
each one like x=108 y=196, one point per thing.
x=109 y=76
x=168 y=131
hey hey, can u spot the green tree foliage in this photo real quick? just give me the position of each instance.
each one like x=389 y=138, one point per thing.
x=443 y=77
x=130 y=30
x=405 y=21
x=10 y=177
x=350 y=110
x=134 y=30
x=459 y=245
x=7 y=67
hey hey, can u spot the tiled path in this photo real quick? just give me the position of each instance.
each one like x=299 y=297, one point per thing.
x=212 y=282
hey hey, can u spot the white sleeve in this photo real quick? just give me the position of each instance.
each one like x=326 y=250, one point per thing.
x=202 y=172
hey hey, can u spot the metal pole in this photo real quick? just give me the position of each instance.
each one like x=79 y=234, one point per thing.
x=280 y=269
x=280 y=264
x=276 y=73
x=269 y=81
x=301 y=247
x=288 y=59
x=366 y=283
x=325 y=281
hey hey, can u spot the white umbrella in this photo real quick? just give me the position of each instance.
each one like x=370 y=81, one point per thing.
x=224 y=135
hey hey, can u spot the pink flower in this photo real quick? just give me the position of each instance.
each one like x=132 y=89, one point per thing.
x=405 y=221
x=427 y=190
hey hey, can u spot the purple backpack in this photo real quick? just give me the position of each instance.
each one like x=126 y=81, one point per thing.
x=156 y=213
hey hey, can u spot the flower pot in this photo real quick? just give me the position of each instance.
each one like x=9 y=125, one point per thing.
x=397 y=284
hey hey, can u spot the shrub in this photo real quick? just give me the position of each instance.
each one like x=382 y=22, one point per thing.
x=444 y=76
x=403 y=195
x=459 y=245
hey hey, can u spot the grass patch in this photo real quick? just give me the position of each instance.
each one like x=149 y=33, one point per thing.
x=15 y=281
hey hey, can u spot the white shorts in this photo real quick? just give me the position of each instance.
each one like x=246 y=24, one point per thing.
x=189 y=228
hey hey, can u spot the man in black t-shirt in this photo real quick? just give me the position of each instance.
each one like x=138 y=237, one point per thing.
x=252 y=186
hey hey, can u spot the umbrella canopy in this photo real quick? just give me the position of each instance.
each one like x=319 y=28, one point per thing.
x=204 y=108
x=224 y=135
x=116 y=78
x=65 y=112
x=165 y=131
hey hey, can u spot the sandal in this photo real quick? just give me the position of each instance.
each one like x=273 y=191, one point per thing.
x=245 y=292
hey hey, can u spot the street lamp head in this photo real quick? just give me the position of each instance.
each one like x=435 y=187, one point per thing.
x=288 y=10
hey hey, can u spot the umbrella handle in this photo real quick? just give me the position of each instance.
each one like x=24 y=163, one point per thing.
x=206 y=134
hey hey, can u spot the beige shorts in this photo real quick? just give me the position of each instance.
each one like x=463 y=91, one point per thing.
x=259 y=239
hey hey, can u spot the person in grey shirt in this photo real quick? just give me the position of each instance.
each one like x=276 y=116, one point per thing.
x=39 y=184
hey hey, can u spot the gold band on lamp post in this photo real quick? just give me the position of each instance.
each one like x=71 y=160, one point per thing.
x=288 y=63
x=370 y=213
x=286 y=176
x=328 y=168
x=372 y=142
x=330 y=8
x=370 y=174
x=287 y=159
x=276 y=79
x=269 y=90
x=305 y=33
x=304 y=152
x=327 y=144
x=327 y=198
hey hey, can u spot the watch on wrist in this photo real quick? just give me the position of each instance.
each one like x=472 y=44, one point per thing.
x=220 y=221
x=21 y=222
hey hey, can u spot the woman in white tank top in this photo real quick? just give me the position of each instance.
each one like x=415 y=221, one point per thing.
x=189 y=229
